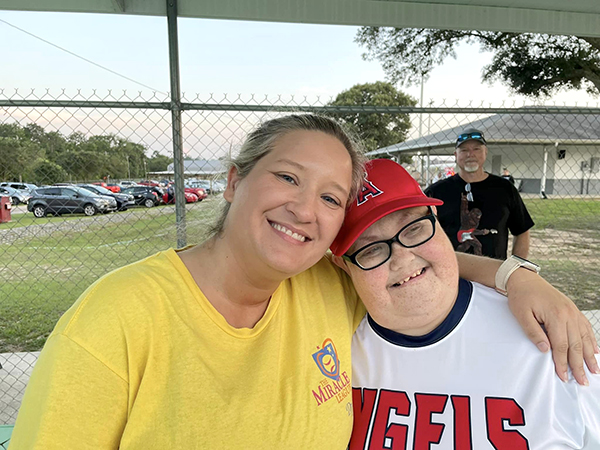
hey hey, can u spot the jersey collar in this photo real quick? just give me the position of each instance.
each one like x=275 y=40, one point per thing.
x=465 y=290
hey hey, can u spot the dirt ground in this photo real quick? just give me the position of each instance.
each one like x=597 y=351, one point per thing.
x=570 y=260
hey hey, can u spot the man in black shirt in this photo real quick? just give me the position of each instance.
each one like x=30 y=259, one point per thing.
x=480 y=208
x=507 y=176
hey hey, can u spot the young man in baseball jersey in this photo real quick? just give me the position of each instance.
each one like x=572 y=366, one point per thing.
x=440 y=362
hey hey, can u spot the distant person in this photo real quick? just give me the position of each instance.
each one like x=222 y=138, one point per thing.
x=475 y=380
x=507 y=176
x=438 y=176
x=480 y=208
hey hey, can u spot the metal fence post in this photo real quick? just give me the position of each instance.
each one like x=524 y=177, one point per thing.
x=176 y=125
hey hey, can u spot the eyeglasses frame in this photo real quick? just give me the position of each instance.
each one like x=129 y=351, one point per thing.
x=352 y=258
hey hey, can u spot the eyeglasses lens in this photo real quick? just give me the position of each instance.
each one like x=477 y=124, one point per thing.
x=373 y=255
x=469 y=193
x=412 y=235
x=464 y=137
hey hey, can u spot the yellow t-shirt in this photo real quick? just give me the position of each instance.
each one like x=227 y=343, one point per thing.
x=143 y=361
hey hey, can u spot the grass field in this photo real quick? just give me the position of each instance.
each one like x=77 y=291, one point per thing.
x=45 y=264
x=49 y=262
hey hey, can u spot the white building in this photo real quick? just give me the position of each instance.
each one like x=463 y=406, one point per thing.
x=555 y=153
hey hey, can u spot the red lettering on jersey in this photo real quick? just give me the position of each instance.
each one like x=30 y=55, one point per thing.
x=363 y=409
x=426 y=431
x=462 y=422
x=368 y=189
x=497 y=410
x=388 y=401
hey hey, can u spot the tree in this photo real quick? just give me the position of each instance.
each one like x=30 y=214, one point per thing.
x=158 y=162
x=46 y=172
x=377 y=130
x=16 y=155
x=529 y=64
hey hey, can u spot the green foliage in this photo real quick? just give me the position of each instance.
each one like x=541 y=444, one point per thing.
x=529 y=64
x=16 y=154
x=26 y=151
x=376 y=130
x=45 y=172
x=158 y=162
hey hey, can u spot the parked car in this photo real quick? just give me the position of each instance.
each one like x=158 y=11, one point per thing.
x=144 y=195
x=127 y=183
x=204 y=184
x=16 y=196
x=169 y=197
x=124 y=201
x=149 y=183
x=68 y=200
x=219 y=185
x=198 y=192
x=111 y=187
x=27 y=188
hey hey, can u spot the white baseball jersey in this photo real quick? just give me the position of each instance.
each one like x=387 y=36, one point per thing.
x=476 y=382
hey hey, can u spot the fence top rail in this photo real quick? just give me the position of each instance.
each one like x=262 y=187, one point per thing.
x=254 y=107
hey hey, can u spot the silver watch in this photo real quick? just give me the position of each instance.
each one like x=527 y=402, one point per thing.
x=508 y=267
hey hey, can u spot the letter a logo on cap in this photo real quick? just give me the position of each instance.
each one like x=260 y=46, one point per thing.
x=368 y=190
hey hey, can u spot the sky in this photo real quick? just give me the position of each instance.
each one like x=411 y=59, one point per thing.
x=219 y=57
x=216 y=56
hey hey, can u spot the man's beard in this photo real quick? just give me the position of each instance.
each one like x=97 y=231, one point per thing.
x=471 y=167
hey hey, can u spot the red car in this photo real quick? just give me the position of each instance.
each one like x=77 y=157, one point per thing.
x=170 y=198
x=198 y=192
x=153 y=183
x=111 y=187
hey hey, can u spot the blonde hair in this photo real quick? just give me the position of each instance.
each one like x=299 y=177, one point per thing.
x=261 y=141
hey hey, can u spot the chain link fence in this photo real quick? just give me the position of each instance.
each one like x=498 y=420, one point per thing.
x=61 y=238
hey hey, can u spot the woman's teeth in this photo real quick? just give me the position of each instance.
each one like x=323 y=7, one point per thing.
x=290 y=233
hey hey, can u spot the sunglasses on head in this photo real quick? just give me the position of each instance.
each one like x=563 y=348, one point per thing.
x=467 y=136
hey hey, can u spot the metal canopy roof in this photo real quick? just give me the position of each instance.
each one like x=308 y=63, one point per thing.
x=521 y=128
x=577 y=17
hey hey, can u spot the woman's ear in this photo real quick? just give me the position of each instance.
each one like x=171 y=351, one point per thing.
x=341 y=263
x=232 y=180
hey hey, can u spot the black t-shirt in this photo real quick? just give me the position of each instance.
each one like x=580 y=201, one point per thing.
x=509 y=178
x=485 y=231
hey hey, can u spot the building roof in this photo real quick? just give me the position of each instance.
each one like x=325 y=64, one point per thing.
x=201 y=167
x=522 y=128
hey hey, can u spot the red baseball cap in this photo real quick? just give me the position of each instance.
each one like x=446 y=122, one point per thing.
x=387 y=187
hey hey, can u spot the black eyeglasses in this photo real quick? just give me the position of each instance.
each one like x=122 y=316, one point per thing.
x=469 y=192
x=467 y=136
x=411 y=235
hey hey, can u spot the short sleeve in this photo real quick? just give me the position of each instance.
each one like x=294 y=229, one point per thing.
x=519 y=220
x=59 y=395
